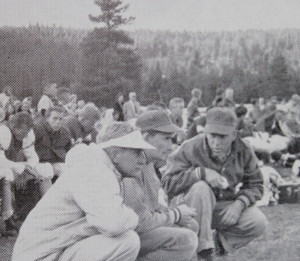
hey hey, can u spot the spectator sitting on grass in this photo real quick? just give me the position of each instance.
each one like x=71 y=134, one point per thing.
x=82 y=127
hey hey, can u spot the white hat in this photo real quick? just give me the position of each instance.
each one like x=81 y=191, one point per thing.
x=5 y=137
x=133 y=140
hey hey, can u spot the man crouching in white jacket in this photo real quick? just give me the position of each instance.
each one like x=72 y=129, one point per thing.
x=82 y=216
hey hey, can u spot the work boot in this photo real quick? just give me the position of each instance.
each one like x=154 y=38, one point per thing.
x=206 y=255
x=11 y=228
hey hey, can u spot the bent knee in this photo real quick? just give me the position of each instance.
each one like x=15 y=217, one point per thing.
x=258 y=222
x=131 y=242
x=200 y=187
x=189 y=239
x=260 y=225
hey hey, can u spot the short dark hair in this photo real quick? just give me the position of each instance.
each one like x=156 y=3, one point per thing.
x=21 y=118
x=56 y=109
x=240 y=111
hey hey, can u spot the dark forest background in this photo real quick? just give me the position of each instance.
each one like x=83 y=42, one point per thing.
x=97 y=64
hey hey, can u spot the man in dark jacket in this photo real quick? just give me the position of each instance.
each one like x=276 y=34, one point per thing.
x=217 y=174
x=52 y=140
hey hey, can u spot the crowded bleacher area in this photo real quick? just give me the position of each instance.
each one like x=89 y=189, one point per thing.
x=171 y=180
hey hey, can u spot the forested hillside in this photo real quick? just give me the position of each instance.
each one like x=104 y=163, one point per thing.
x=254 y=63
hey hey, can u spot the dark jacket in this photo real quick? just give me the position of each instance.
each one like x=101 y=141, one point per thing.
x=51 y=146
x=240 y=167
x=119 y=109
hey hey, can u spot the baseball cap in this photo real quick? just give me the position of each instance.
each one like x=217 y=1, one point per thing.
x=157 y=120
x=220 y=120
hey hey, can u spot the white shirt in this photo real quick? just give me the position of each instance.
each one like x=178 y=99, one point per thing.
x=84 y=201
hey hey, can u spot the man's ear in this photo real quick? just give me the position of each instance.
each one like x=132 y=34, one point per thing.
x=115 y=155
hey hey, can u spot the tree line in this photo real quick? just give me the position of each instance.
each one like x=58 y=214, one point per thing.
x=156 y=64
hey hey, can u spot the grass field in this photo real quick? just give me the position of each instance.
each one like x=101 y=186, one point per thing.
x=281 y=242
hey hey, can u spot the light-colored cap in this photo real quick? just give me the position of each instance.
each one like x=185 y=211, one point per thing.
x=133 y=140
x=121 y=134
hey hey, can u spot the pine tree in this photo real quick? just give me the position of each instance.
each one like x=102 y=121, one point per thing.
x=110 y=63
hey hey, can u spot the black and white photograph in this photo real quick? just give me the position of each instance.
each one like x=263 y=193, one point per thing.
x=149 y=130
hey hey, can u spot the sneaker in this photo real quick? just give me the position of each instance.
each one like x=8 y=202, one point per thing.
x=219 y=249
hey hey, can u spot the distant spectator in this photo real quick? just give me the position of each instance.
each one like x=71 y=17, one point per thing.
x=228 y=98
x=27 y=105
x=63 y=99
x=255 y=113
x=176 y=106
x=53 y=141
x=131 y=107
x=244 y=127
x=194 y=104
x=261 y=103
x=72 y=105
x=118 y=113
x=218 y=100
x=81 y=127
x=80 y=104
x=49 y=99
x=2 y=116
x=9 y=110
x=29 y=182
x=5 y=96
x=18 y=106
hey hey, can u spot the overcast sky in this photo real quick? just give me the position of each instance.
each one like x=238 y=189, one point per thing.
x=203 y=15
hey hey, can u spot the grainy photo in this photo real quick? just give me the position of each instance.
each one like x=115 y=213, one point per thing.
x=149 y=130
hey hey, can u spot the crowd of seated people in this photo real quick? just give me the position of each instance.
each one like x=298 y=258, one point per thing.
x=144 y=183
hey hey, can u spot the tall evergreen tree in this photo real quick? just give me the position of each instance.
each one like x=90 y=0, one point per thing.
x=110 y=63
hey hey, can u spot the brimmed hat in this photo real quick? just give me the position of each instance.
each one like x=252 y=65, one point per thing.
x=122 y=135
x=157 y=120
x=220 y=121
x=133 y=140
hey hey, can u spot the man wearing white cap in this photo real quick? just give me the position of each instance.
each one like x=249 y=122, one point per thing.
x=82 y=217
x=206 y=173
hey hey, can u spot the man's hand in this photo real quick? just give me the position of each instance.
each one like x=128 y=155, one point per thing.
x=187 y=214
x=213 y=178
x=232 y=213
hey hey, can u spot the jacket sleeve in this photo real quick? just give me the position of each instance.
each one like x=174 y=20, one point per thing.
x=180 y=173
x=252 y=189
x=148 y=219
x=97 y=193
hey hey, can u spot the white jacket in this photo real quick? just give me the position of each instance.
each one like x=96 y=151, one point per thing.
x=84 y=201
